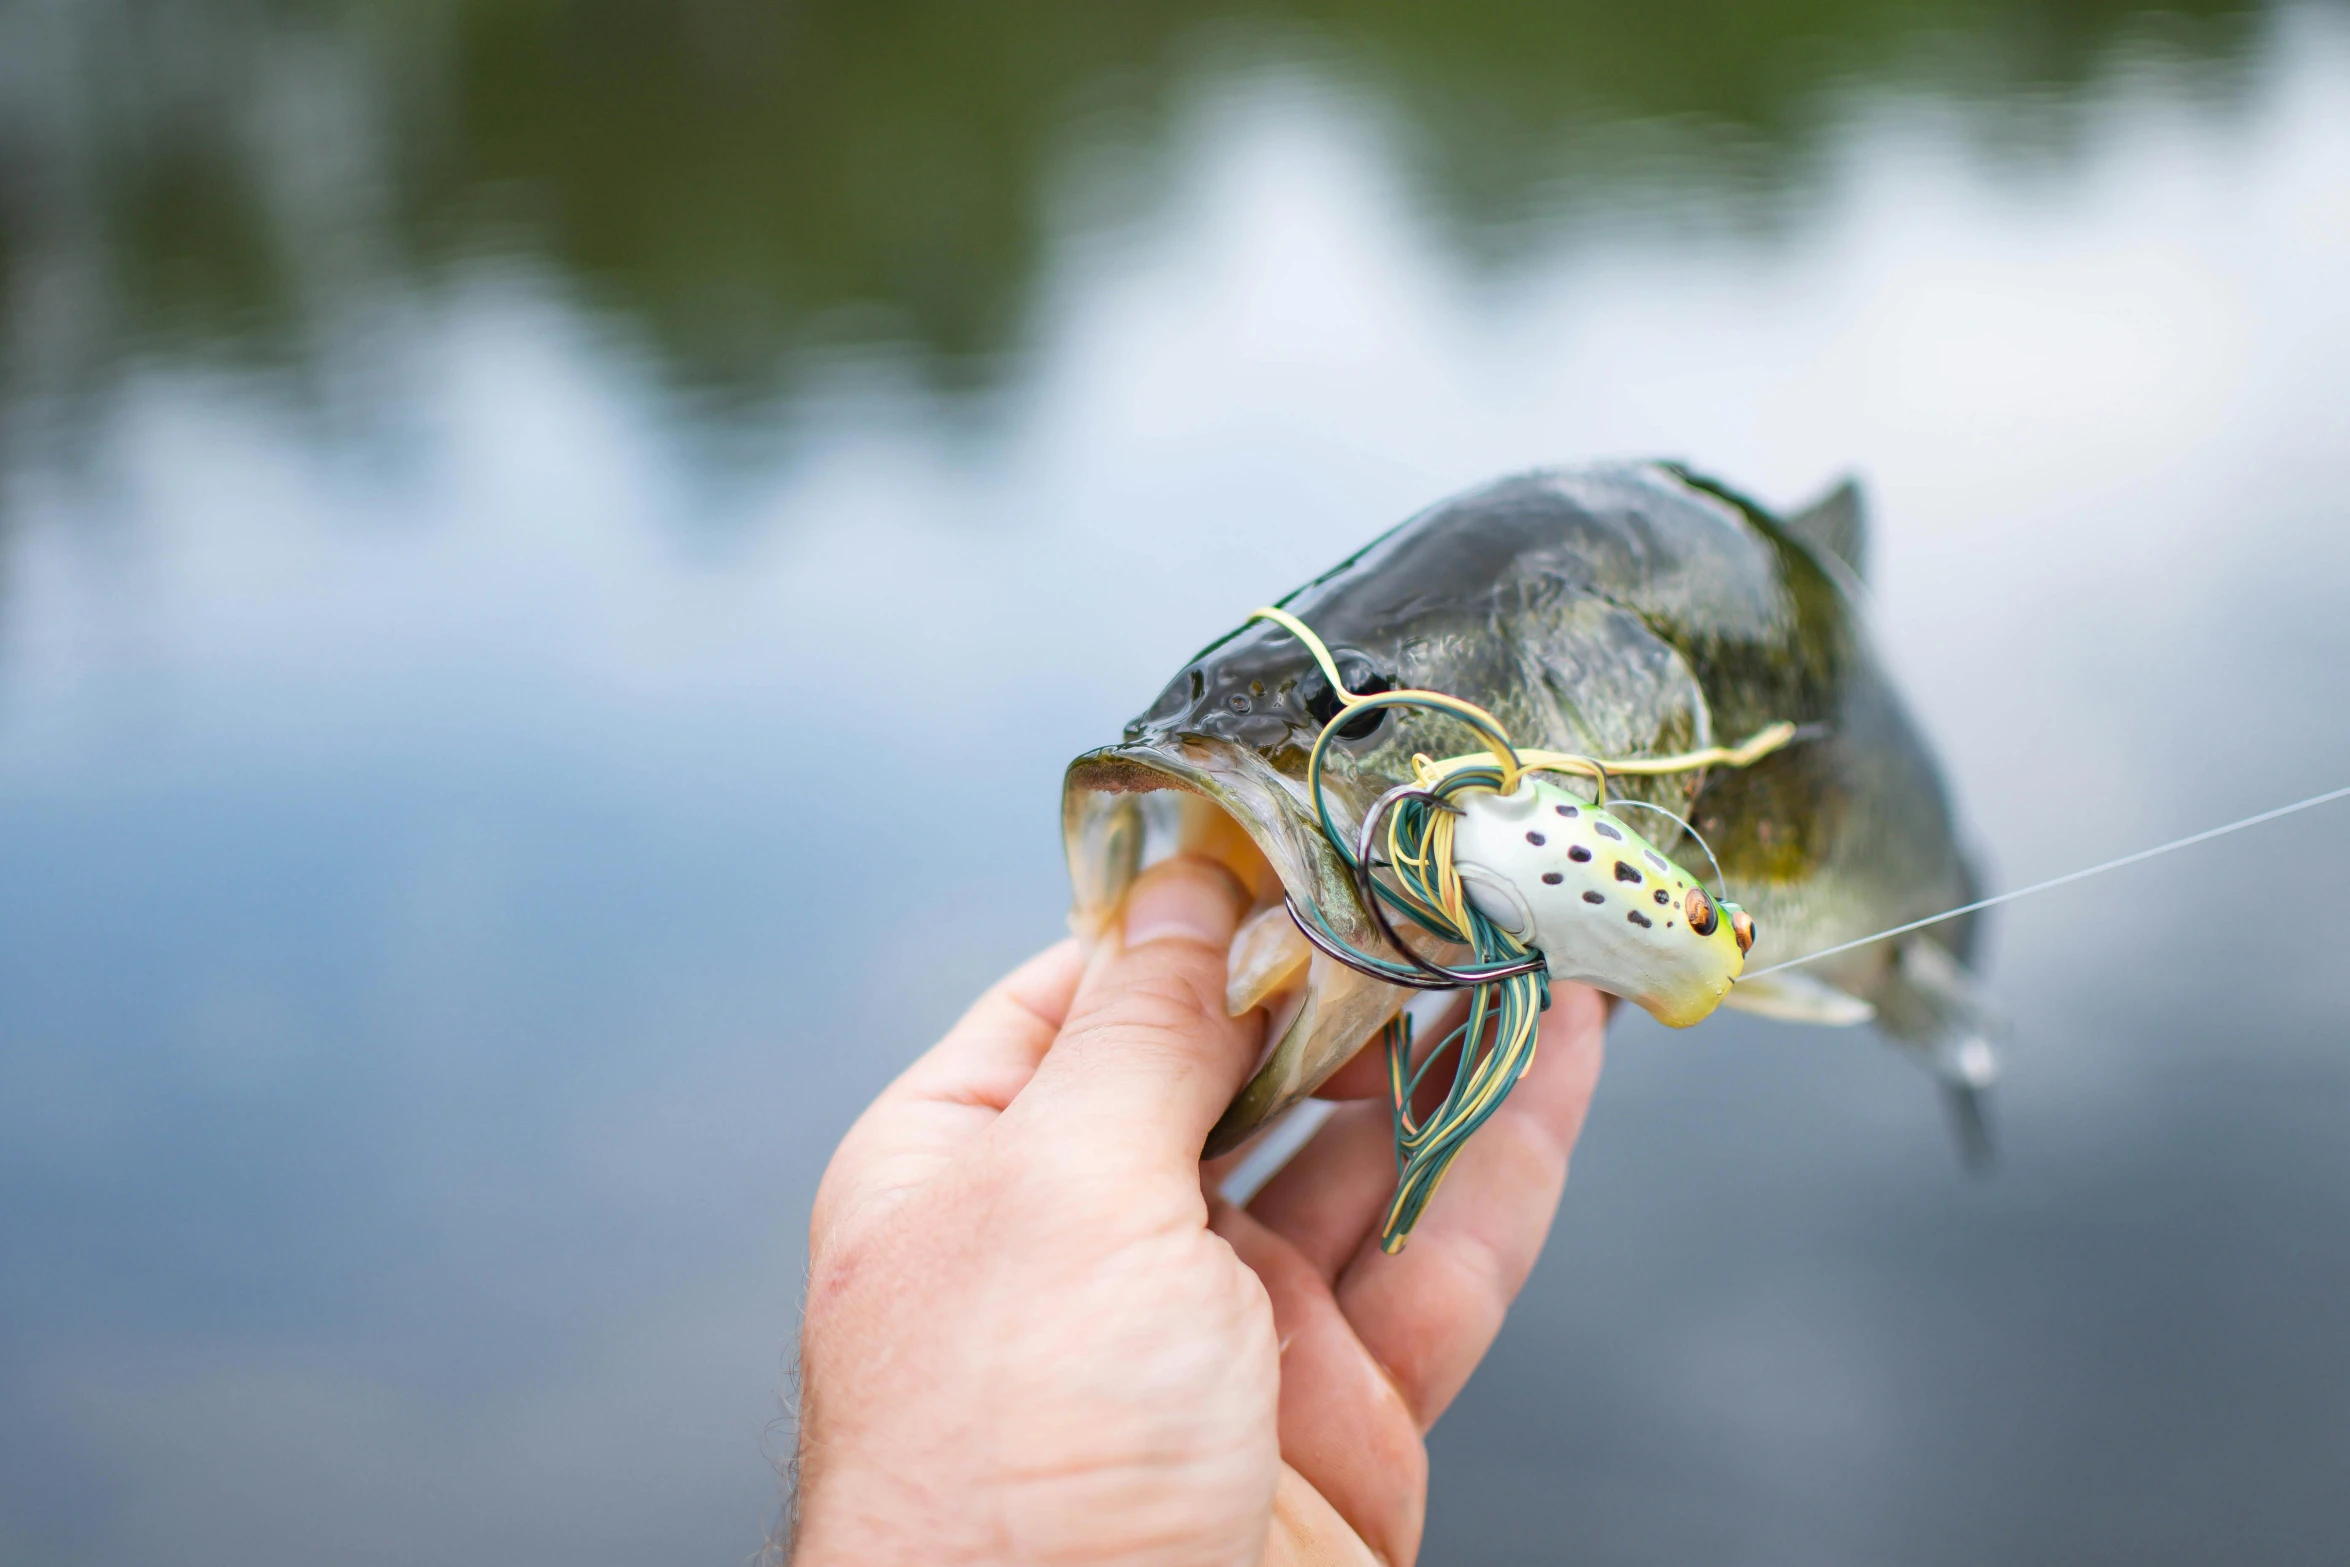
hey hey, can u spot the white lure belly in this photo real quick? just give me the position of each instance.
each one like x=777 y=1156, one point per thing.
x=1605 y=908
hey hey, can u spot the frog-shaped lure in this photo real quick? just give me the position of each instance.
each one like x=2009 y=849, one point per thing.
x=1605 y=908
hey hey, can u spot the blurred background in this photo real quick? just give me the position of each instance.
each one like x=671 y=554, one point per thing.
x=470 y=469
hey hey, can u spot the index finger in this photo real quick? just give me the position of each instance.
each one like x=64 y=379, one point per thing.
x=943 y=1102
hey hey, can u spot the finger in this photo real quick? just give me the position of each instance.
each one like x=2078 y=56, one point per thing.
x=992 y=1051
x=1148 y=1057
x=938 y=1106
x=1345 y=1428
x=1430 y=1312
x=1364 y=1076
x=1277 y=1140
x=1213 y=1173
x=1308 y=1532
x=1328 y=1198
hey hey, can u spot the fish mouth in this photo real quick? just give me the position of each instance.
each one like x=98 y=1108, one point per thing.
x=1126 y=807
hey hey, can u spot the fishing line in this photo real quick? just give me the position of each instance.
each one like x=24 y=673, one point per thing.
x=1721 y=882
x=2058 y=881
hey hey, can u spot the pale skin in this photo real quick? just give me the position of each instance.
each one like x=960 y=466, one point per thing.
x=1035 y=1335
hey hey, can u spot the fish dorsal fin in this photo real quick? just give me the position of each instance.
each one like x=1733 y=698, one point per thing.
x=1836 y=524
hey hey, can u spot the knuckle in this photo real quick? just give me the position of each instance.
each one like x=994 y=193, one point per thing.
x=1152 y=998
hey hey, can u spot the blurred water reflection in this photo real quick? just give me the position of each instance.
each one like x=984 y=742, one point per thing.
x=464 y=466
x=737 y=180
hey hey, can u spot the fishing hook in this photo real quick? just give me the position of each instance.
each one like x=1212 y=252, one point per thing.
x=1367 y=888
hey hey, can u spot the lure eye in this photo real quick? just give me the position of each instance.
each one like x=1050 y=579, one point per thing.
x=1362 y=680
x=1699 y=909
x=1742 y=927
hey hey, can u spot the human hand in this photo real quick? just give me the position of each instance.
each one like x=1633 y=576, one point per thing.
x=1034 y=1334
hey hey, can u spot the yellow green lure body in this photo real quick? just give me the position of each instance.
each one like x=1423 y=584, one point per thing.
x=1575 y=882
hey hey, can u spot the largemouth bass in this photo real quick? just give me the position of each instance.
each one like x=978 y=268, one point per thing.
x=1618 y=610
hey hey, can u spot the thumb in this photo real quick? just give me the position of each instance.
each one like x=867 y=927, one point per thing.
x=1148 y=1059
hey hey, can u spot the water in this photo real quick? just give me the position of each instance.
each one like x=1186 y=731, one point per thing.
x=474 y=482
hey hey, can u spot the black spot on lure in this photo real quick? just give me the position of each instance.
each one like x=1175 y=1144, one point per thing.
x=1455 y=738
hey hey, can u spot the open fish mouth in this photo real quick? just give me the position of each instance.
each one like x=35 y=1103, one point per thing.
x=1126 y=807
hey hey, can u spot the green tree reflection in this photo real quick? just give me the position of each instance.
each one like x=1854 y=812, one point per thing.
x=740 y=179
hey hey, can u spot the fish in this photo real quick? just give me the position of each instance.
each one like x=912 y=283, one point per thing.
x=1618 y=610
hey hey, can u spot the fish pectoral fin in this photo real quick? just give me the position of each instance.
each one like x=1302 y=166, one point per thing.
x=1836 y=524
x=1798 y=998
x=1269 y=954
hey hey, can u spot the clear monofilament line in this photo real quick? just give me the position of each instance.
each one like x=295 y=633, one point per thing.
x=2058 y=881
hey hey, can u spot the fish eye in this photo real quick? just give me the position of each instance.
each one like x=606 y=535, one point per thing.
x=1363 y=680
x=1742 y=927
x=1698 y=909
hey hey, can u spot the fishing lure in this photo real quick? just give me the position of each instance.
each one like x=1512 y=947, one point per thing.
x=1538 y=883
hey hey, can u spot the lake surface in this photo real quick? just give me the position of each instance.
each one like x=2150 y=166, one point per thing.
x=469 y=474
